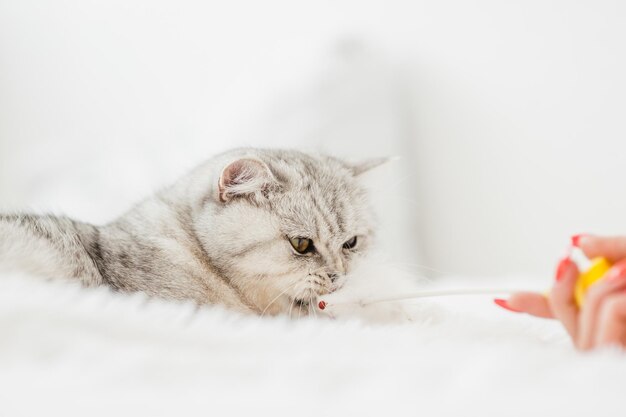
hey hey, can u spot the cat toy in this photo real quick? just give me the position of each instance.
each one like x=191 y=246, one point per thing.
x=593 y=271
x=322 y=305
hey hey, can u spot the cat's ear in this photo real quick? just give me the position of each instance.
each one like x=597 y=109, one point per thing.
x=244 y=177
x=367 y=165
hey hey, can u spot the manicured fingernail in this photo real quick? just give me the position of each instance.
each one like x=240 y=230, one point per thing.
x=322 y=305
x=563 y=265
x=576 y=239
x=617 y=273
x=505 y=305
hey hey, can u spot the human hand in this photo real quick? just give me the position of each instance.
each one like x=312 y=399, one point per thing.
x=602 y=319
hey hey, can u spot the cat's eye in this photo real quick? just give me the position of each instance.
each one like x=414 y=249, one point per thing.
x=302 y=245
x=350 y=244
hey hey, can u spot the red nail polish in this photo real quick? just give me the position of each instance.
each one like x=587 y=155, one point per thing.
x=503 y=303
x=563 y=265
x=576 y=239
x=322 y=305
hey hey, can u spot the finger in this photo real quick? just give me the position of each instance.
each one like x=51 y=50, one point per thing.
x=614 y=282
x=532 y=303
x=612 y=327
x=612 y=248
x=561 y=299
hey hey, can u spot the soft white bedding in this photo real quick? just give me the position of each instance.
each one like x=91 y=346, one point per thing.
x=70 y=351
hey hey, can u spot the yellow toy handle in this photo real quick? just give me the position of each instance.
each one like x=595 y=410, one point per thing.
x=599 y=267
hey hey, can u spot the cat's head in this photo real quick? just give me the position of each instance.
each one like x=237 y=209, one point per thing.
x=284 y=226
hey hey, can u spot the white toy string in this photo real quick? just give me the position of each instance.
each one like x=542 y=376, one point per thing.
x=422 y=294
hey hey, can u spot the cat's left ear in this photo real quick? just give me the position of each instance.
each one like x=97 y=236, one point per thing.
x=368 y=165
x=244 y=177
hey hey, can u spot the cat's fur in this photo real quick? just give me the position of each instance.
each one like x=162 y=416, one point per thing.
x=220 y=235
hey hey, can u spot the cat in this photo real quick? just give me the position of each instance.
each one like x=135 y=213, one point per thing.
x=255 y=230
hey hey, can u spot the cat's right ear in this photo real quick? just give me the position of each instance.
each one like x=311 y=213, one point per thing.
x=244 y=177
x=365 y=166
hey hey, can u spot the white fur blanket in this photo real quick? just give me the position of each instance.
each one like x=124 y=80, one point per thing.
x=71 y=351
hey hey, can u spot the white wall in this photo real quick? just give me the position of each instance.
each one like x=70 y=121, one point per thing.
x=519 y=122
x=508 y=115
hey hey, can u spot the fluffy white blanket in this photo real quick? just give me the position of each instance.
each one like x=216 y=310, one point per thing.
x=71 y=351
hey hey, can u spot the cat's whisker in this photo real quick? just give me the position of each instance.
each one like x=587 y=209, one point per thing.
x=312 y=308
x=293 y=301
x=289 y=287
x=299 y=311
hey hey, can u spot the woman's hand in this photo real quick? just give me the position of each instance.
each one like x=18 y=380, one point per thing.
x=602 y=320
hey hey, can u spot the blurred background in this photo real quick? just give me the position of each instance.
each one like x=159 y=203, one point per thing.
x=508 y=117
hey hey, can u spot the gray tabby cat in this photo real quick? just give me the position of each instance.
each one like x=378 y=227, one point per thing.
x=260 y=231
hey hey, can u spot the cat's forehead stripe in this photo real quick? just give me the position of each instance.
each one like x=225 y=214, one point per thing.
x=325 y=215
x=323 y=201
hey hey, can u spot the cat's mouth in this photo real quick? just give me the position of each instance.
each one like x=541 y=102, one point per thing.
x=304 y=300
x=310 y=295
x=307 y=297
x=298 y=302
